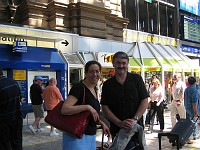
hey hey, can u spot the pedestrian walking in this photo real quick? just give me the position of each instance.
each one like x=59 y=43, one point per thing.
x=52 y=97
x=191 y=103
x=37 y=104
x=177 y=105
x=156 y=103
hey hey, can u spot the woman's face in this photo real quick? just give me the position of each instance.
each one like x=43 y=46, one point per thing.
x=155 y=84
x=93 y=74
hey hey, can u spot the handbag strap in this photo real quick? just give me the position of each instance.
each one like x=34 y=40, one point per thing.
x=83 y=95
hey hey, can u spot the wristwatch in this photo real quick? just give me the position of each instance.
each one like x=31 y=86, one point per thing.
x=136 y=118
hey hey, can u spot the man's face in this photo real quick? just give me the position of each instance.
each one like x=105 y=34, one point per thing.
x=120 y=65
x=176 y=78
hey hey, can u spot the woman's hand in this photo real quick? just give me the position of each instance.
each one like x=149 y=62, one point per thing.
x=106 y=130
x=94 y=113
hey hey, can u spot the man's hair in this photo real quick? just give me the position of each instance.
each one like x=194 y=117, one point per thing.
x=52 y=80
x=120 y=55
x=1 y=72
x=191 y=80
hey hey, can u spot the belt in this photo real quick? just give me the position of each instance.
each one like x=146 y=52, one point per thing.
x=177 y=100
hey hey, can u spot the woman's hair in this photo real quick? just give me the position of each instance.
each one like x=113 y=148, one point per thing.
x=92 y=62
x=156 y=80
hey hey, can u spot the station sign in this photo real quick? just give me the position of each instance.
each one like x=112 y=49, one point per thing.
x=131 y=36
x=20 y=46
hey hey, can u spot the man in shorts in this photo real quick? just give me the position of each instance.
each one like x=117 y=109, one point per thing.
x=37 y=104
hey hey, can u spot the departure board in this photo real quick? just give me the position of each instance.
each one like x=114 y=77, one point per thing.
x=191 y=29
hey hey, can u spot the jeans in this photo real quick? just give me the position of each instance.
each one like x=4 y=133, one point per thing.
x=121 y=141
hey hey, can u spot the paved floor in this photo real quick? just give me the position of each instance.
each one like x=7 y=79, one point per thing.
x=42 y=141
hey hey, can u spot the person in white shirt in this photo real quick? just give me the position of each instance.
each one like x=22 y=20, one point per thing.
x=156 y=93
x=177 y=105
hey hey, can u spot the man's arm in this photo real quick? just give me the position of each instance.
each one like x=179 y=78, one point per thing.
x=194 y=105
x=141 y=109
x=110 y=116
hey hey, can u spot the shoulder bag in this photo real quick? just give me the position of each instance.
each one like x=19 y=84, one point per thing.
x=72 y=124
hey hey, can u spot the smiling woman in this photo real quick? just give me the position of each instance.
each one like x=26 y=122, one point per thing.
x=73 y=106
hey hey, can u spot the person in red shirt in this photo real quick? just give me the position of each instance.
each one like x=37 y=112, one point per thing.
x=52 y=97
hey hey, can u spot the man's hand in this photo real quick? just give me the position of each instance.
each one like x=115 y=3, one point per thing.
x=128 y=123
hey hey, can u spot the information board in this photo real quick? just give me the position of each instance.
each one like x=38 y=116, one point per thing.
x=191 y=29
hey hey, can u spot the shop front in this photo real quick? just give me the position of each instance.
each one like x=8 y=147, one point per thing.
x=35 y=61
x=161 y=60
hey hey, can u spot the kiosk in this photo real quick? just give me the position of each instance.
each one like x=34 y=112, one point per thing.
x=23 y=66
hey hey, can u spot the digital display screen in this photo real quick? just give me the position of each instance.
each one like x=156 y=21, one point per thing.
x=192 y=6
x=190 y=29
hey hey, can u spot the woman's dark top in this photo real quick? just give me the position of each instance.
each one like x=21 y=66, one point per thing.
x=123 y=100
x=77 y=90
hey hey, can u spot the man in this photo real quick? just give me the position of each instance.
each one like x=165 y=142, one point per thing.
x=52 y=97
x=191 y=103
x=10 y=117
x=177 y=105
x=37 y=104
x=124 y=97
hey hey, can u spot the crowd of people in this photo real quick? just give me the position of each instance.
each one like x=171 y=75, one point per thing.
x=125 y=101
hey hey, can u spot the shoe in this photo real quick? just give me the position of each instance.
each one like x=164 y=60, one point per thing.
x=148 y=132
x=195 y=138
x=54 y=133
x=161 y=130
x=39 y=130
x=31 y=128
x=189 y=142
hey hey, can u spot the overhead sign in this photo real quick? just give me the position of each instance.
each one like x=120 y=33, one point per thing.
x=20 y=46
x=65 y=42
x=105 y=58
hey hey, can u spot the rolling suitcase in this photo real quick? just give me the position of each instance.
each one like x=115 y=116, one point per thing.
x=184 y=129
x=180 y=133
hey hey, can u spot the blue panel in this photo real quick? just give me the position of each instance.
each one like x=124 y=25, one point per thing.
x=36 y=57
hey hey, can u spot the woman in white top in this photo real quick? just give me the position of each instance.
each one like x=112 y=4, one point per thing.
x=156 y=96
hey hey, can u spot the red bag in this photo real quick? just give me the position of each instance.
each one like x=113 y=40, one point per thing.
x=72 y=124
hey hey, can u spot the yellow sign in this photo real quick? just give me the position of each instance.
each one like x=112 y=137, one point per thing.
x=135 y=69
x=153 y=69
x=108 y=58
x=19 y=74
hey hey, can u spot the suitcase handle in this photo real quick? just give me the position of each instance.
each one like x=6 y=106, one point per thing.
x=197 y=118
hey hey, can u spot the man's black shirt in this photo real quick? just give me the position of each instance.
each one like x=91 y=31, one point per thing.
x=123 y=100
x=36 y=97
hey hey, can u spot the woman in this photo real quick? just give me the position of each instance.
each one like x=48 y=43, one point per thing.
x=73 y=105
x=156 y=96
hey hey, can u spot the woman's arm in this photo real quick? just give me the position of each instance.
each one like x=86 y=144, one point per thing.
x=105 y=128
x=69 y=108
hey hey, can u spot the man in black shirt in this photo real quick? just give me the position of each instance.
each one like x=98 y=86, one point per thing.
x=10 y=117
x=37 y=104
x=124 y=97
